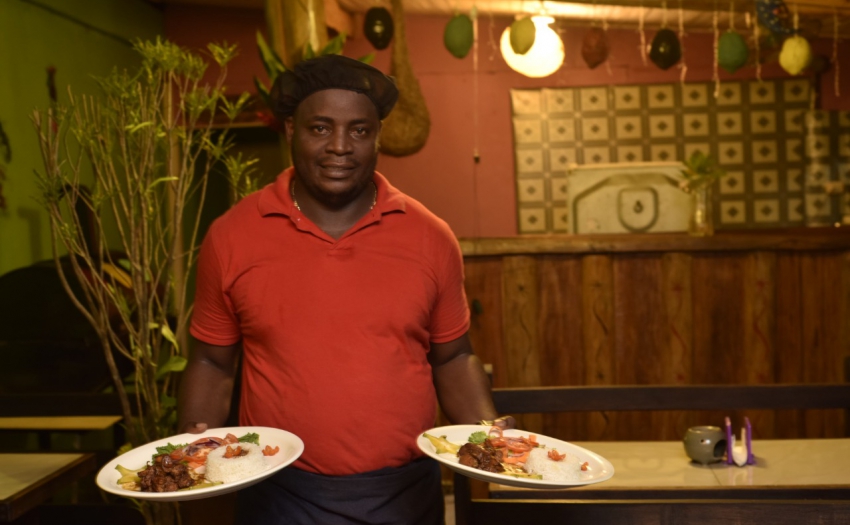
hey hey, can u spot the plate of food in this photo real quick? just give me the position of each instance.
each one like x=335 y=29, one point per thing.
x=194 y=466
x=514 y=457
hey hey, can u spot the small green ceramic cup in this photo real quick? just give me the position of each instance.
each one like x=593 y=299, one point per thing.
x=705 y=444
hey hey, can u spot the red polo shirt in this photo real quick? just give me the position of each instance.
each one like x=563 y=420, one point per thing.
x=335 y=332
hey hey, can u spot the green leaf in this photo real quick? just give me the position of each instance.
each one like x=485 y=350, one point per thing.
x=250 y=437
x=168 y=334
x=175 y=363
x=160 y=181
x=263 y=91
x=367 y=59
x=334 y=45
x=167 y=449
x=478 y=437
x=167 y=401
x=134 y=128
x=271 y=61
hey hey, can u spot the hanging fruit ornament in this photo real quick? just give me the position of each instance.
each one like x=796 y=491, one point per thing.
x=665 y=49
x=594 y=48
x=458 y=36
x=795 y=55
x=773 y=14
x=378 y=27
x=732 y=51
x=522 y=35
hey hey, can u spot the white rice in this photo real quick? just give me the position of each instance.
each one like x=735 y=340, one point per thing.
x=564 y=471
x=228 y=470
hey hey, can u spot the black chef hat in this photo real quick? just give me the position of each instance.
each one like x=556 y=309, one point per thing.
x=332 y=72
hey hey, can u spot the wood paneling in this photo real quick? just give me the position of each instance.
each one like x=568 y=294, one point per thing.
x=520 y=341
x=774 y=313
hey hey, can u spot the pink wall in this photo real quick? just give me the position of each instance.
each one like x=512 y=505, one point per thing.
x=477 y=200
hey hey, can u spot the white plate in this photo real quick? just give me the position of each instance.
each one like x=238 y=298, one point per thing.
x=599 y=468
x=290 y=445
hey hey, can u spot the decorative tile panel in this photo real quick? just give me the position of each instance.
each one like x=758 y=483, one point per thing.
x=762 y=133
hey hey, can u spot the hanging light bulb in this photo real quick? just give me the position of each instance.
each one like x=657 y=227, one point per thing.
x=544 y=57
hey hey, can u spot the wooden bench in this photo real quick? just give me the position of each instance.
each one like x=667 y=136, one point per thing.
x=831 y=507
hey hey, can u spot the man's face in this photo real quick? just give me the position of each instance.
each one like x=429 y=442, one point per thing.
x=334 y=138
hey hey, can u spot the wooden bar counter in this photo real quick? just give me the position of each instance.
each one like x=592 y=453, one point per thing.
x=664 y=309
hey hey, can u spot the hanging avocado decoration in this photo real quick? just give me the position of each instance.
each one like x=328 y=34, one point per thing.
x=594 y=48
x=378 y=27
x=458 y=35
x=795 y=55
x=665 y=50
x=522 y=35
x=732 y=51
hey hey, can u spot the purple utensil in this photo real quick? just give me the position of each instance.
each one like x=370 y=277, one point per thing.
x=729 y=442
x=751 y=459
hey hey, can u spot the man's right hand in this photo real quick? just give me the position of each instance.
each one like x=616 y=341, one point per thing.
x=193 y=427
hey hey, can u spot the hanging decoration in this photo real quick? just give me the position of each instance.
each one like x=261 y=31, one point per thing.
x=666 y=49
x=682 y=65
x=406 y=129
x=732 y=50
x=756 y=40
x=837 y=74
x=642 y=31
x=796 y=53
x=544 y=57
x=458 y=36
x=715 y=76
x=594 y=47
x=773 y=14
x=522 y=34
x=378 y=27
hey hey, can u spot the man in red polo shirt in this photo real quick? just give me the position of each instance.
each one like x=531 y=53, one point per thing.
x=346 y=299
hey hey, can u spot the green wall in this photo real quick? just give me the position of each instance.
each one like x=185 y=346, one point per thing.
x=81 y=39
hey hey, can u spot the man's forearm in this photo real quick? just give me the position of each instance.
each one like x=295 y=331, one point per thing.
x=463 y=390
x=207 y=387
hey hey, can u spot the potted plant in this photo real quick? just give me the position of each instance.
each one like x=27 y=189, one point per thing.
x=145 y=149
x=701 y=174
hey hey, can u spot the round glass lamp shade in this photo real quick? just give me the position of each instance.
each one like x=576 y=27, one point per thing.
x=544 y=57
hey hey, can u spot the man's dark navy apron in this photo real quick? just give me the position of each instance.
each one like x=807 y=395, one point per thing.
x=408 y=495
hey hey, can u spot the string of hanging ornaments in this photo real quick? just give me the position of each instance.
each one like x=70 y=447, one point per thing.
x=533 y=48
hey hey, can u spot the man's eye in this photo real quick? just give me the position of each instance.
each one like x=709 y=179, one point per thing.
x=361 y=131
x=320 y=129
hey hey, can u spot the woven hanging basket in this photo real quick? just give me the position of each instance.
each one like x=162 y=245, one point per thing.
x=406 y=129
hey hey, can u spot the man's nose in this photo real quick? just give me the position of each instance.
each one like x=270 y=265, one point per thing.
x=340 y=142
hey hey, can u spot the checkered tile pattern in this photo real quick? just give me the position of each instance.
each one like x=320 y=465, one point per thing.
x=756 y=130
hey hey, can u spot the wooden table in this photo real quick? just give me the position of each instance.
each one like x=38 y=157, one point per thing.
x=58 y=423
x=793 y=481
x=661 y=470
x=46 y=425
x=29 y=479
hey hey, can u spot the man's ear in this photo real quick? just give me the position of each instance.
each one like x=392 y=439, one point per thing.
x=289 y=128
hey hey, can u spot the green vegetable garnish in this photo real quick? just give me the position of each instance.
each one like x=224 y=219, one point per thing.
x=442 y=445
x=250 y=437
x=478 y=437
x=127 y=475
x=204 y=485
x=167 y=449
